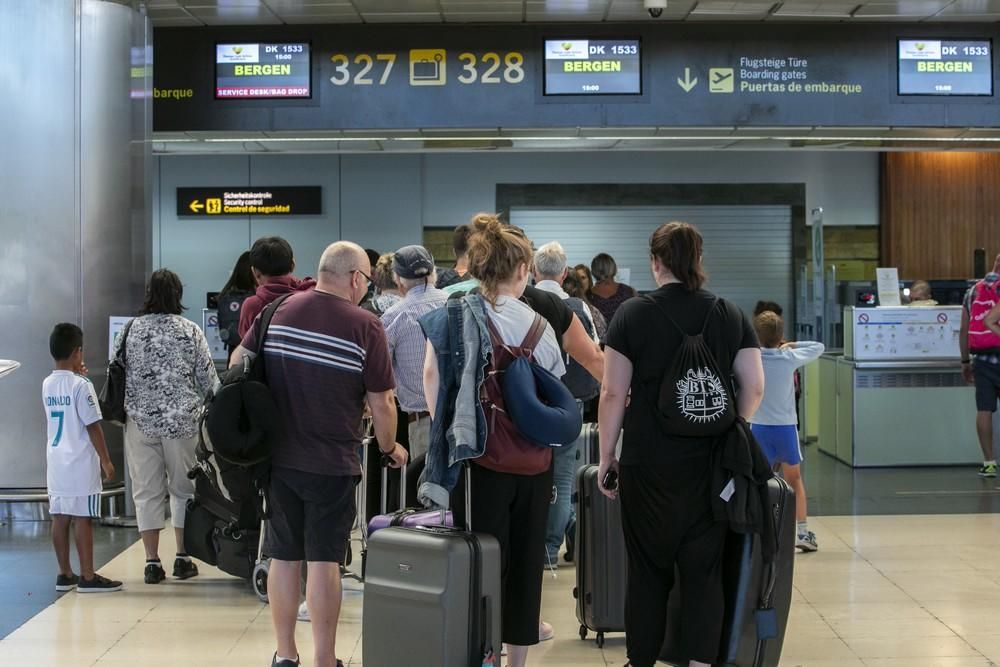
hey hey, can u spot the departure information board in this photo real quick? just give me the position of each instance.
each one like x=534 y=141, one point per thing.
x=945 y=67
x=593 y=67
x=262 y=71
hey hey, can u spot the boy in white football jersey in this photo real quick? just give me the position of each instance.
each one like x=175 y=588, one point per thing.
x=77 y=454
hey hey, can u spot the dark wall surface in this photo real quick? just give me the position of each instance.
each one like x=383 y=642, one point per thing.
x=782 y=75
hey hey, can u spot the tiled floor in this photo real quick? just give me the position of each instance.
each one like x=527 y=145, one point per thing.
x=28 y=567
x=883 y=591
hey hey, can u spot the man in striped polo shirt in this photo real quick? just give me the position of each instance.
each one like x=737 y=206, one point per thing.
x=324 y=358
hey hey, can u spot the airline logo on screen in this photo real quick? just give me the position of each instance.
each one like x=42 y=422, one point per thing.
x=237 y=53
x=919 y=50
x=571 y=49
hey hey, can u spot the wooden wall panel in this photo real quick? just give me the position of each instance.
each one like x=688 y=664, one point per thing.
x=936 y=209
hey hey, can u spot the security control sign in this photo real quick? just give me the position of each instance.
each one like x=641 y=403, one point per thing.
x=938 y=67
x=593 y=67
x=210 y=202
x=262 y=71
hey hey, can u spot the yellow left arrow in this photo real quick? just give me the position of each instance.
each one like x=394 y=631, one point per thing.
x=196 y=206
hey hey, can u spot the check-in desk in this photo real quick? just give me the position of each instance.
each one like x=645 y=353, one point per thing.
x=896 y=396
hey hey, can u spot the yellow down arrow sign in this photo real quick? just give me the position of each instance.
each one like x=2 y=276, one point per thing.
x=687 y=83
x=196 y=206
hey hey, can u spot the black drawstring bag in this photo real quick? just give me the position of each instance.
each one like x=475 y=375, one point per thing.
x=695 y=398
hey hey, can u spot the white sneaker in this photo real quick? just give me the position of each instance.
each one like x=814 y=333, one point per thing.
x=807 y=542
x=304 y=613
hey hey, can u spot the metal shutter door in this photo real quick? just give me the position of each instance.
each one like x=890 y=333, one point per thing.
x=748 y=249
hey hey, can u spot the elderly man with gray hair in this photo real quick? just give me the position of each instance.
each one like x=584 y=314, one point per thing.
x=550 y=268
x=413 y=266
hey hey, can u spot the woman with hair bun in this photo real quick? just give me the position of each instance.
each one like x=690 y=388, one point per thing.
x=664 y=479
x=607 y=294
x=511 y=477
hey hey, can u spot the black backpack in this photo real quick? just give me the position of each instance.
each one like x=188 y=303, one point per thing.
x=241 y=421
x=695 y=398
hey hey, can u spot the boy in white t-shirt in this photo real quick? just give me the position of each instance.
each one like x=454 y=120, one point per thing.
x=76 y=456
x=774 y=424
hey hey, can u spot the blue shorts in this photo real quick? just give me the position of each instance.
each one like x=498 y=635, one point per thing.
x=779 y=443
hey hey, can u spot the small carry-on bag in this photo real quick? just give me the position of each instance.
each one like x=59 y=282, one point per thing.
x=600 y=559
x=758 y=594
x=432 y=596
x=406 y=517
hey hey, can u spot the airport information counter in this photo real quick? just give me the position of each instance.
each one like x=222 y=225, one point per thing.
x=896 y=396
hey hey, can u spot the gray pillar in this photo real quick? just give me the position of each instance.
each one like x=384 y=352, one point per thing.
x=74 y=215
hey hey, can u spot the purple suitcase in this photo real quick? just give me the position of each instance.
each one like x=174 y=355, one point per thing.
x=407 y=518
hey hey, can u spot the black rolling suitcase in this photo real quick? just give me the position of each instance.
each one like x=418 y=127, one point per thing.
x=758 y=595
x=432 y=597
x=600 y=558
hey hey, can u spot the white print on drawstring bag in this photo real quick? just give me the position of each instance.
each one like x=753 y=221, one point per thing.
x=701 y=396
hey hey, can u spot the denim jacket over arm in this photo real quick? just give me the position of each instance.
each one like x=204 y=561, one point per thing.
x=458 y=430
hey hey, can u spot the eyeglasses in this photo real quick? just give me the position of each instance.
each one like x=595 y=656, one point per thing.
x=367 y=277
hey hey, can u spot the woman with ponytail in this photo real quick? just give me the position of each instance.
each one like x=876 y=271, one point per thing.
x=664 y=476
x=511 y=477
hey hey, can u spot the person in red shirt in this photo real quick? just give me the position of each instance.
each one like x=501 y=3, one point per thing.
x=272 y=263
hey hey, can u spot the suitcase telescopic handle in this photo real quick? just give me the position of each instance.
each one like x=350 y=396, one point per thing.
x=386 y=463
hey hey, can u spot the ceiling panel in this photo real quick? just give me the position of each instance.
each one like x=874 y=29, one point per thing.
x=240 y=12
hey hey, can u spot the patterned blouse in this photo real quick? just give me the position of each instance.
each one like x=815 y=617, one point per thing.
x=609 y=306
x=168 y=372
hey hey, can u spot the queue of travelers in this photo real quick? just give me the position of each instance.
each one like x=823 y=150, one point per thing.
x=369 y=335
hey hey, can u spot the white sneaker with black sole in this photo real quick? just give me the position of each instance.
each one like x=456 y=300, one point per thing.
x=807 y=542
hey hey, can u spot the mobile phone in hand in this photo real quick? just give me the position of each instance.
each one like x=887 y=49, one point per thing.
x=610 y=481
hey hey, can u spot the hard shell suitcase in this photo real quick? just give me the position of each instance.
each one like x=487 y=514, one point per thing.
x=432 y=597
x=758 y=595
x=600 y=559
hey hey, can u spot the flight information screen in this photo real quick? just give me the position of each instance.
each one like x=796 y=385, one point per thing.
x=262 y=71
x=593 y=67
x=945 y=67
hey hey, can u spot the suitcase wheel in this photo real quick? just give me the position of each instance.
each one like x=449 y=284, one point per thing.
x=583 y=632
x=600 y=640
x=259 y=580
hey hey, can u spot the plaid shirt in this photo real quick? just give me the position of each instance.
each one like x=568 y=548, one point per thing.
x=407 y=344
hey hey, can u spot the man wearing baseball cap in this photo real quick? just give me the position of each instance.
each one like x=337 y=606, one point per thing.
x=413 y=266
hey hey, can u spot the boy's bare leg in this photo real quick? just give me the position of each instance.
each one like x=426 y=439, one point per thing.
x=60 y=542
x=793 y=475
x=83 y=529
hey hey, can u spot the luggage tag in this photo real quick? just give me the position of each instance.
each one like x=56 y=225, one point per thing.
x=767 y=623
x=728 y=491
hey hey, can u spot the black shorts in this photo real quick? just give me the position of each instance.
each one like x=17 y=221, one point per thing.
x=987 y=385
x=311 y=516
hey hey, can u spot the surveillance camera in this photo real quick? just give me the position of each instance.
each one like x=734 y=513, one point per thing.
x=655 y=7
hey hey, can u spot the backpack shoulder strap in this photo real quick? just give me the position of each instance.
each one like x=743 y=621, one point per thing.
x=708 y=317
x=534 y=335
x=265 y=320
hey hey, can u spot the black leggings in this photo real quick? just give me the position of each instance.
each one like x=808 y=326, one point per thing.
x=667 y=520
x=515 y=510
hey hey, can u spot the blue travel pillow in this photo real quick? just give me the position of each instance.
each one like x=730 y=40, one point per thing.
x=540 y=405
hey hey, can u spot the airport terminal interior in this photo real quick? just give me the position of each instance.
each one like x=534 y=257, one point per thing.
x=839 y=158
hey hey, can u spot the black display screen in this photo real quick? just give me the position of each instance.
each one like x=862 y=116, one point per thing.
x=593 y=67
x=945 y=67
x=262 y=71
x=255 y=200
